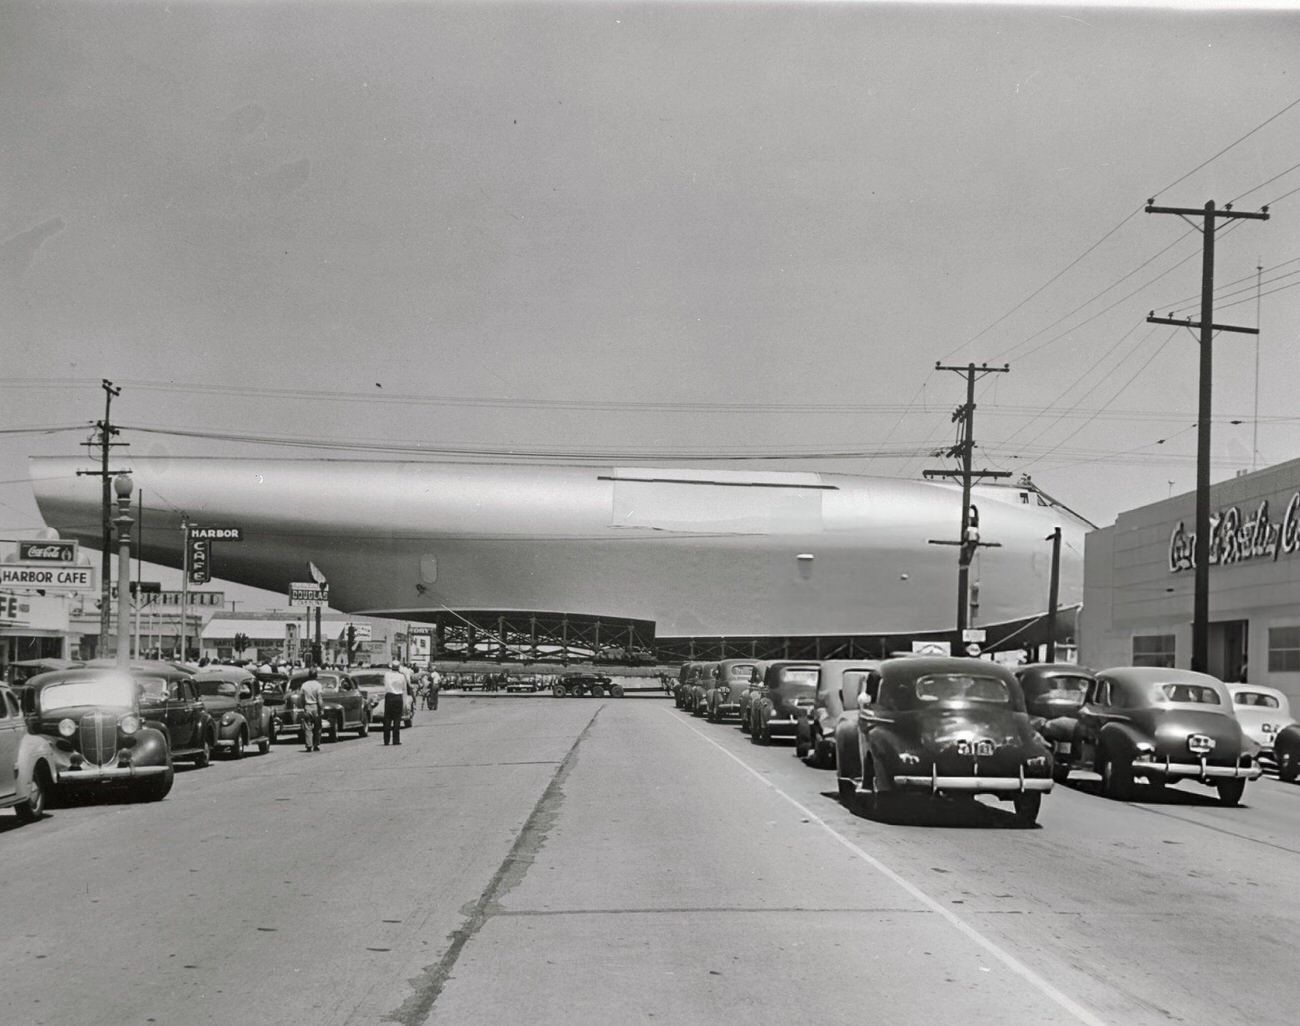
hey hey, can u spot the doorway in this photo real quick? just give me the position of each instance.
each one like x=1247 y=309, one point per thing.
x=1228 y=644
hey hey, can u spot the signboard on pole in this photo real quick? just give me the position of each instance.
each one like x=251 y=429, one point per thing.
x=47 y=551
x=308 y=593
x=976 y=634
x=217 y=533
x=200 y=559
x=936 y=648
x=49 y=577
x=360 y=631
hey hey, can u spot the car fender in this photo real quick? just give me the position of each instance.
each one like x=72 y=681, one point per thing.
x=848 y=760
x=151 y=748
x=1120 y=738
x=33 y=751
x=883 y=747
x=1061 y=728
x=230 y=731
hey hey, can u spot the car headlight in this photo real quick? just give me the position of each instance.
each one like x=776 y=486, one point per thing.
x=227 y=719
x=129 y=724
x=1145 y=748
x=67 y=727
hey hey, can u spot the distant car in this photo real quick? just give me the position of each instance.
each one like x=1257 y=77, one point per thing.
x=91 y=716
x=373 y=686
x=27 y=762
x=734 y=676
x=169 y=702
x=706 y=676
x=592 y=684
x=936 y=725
x=685 y=676
x=839 y=682
x=233 y=696
x=19 y=672
x=1054 y=693
x=1262 y=713
x=1164 y=725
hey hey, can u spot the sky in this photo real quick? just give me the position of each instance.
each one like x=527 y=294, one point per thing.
x=650 y=233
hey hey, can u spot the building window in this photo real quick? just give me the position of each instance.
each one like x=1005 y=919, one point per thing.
x=1284 y=649
x=1153 y=650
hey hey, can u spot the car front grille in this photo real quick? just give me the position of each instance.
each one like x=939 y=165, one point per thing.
x=98 y=738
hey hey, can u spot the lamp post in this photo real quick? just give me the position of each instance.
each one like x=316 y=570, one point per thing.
x=122 y=487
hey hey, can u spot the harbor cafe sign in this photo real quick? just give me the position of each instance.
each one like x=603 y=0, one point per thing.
x=1235 y=538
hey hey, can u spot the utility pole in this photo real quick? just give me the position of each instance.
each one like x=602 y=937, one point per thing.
x=1207 y=328
x=1053 y=594
x=105 y=443
x=968 y=541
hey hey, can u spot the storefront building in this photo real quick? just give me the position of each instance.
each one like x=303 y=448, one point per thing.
x=1138 y=583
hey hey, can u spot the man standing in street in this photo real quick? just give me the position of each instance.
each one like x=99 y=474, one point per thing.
x=394 y=705
x=434 y=685
x=312 y=705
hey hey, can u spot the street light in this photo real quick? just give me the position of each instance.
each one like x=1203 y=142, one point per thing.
x=122 y=486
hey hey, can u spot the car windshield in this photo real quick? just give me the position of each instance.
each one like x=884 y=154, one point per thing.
x=742 y=670
x=1190 y=694
x=369 y=680
x=152 y=689
x=962 y=687
x=1065 y=689
x=217 y=689
x=1257 y=699
x=115 y=691
x=808 y=676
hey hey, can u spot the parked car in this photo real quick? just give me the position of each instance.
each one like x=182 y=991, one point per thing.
x=733 y=678
x=233 y=697
x=685 y=677
x=372 y=684
x=1164 y=725
x=1053 y=694
x=91 y=716
x=346 y=707
x=839 y=682
x=938 y=725
x=773 y=704
x=27 y=763
x=1262 y=713
x=169 y=702
x=706 y=674
x=19 y=672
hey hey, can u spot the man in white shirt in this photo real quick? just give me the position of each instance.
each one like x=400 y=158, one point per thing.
x=394 y=705
x=312 y=704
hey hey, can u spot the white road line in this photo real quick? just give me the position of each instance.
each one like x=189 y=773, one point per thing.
x=1005 y=957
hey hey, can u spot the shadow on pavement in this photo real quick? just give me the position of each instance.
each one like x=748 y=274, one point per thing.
x=922 y=810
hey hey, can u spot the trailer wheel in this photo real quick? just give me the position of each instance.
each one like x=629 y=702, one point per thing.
x=616 y=691
x=557 y=690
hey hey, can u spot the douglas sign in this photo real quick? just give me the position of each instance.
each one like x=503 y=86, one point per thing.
x=1235 y=539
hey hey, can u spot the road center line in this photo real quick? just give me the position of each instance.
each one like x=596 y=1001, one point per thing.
x=1005 y=957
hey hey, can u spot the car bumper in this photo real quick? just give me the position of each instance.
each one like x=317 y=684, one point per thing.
x=1197 y=770
x=108 y=773
x=727 y=709
x=975 y=784
x=780 y=724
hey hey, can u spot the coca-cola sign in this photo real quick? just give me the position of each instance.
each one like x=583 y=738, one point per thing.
x=47 y=551
x=1235 y=538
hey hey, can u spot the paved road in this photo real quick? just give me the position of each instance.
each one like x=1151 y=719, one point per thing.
x=598 y=861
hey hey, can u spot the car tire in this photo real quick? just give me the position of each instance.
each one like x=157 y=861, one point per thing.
x=744 y=723
x=331 y=731
x=406 y=723
x=1288 y=767
x=276 y=726
x=558 y=690
x=1230 y=792
x=1027 y=806
x=616 y=691
x=264 y=744
x=1060 y=772
x=848 y=789
x=364 y=729
x=237 y=749
x=801 y=747
x=203 y=757
x=32 y=808
x=1116 y=779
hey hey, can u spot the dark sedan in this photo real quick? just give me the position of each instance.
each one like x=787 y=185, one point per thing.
x=839 y=682
x=943 y=726
x=774 y=704
x=1163 y=725
x=1054 y=693
x=233 y=696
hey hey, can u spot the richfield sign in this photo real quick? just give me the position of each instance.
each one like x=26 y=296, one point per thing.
x=1236 y=538
x=47 y=551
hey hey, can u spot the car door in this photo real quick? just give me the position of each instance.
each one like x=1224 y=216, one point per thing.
x=250 y=706
x=349 y=698
x=12 y=729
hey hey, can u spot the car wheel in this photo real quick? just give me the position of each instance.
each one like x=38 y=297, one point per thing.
x=32 y=807
x=847 y=790
x=1027 y=806
x=557 y=690
x=331 y=731
x=1060 y=772
x=761 y=734
x=801 y=747
x=406 y=723
x=276 y=726
x=1288 y=767
x=237 y=749
x=364 y=729
x=616 y=691
x=744 y=723
x=264 y=744
x=1230 y=791
x=203 y=757
x=1116 y=779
